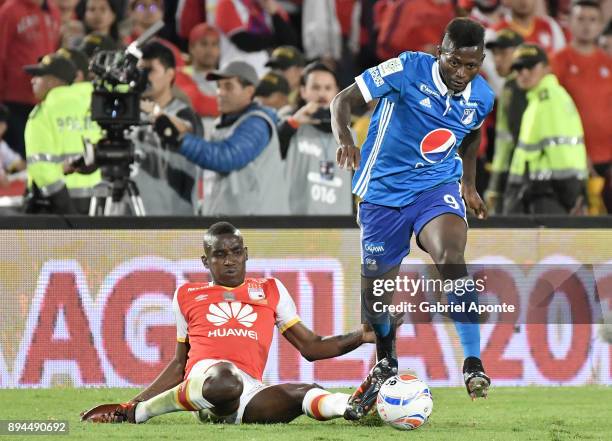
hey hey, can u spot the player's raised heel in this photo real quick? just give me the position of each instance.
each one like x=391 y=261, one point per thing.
x=476 y=381
x=362 y=400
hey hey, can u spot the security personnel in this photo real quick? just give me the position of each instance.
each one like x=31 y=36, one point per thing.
x=549 y=166
x=54 y=132
x=511 y=104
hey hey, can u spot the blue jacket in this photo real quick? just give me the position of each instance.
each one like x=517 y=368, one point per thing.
x=233 y=153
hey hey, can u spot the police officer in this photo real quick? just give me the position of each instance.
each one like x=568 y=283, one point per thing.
x=510 y=107
x=549 y=166
x=54 y=132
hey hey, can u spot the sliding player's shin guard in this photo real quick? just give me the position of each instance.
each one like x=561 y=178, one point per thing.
x=186 y=396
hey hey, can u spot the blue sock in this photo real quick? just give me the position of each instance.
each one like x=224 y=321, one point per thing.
x=379 y=321
x=382 y=329
x=466 y=324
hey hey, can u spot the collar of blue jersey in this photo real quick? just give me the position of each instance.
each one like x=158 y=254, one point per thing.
x=437 y=79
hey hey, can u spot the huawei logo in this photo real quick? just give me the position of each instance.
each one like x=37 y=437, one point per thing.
x=221 y=313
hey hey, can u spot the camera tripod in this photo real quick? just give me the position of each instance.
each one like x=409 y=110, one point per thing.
x=111 y=198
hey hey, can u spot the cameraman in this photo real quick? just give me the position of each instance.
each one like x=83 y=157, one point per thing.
x=243 y=151
x=316 y=185
x=165 y=178
x=54 y=132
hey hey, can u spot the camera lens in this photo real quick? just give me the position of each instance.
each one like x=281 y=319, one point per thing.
x=115 y=108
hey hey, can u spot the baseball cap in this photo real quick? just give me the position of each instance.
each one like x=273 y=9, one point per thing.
x=55 y=65
x=272 y=82
x=202 y=30
x=283 y=57
x=78 y=58
x=504 y=39
x=528 y=55
x=97 y=42
x=238 y=69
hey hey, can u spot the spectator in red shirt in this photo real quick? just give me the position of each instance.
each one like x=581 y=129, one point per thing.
x=541 y=30
x=29 y=29
x=585 y=71
x=189 y=13
x=205 y=52
x=414 y=25
x=487 y=12
x=252 y=27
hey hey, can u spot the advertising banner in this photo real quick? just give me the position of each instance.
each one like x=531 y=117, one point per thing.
x=91 y=308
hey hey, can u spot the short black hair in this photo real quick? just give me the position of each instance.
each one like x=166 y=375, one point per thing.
x=608 y=29
x=465 y=32
x=317 y=66
x=155 y=50
x=219 y=229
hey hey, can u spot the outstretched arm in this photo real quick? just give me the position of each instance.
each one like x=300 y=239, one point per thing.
x=342 y=106
x=468 y=151
x=314 y=347
x=170 y=376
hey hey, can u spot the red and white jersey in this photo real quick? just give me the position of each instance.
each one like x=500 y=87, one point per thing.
x=543 y=31
x=234 y=324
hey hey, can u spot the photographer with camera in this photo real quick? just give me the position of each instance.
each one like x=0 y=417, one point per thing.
x=165 y=178
x=54 y=132
x=316 y=186
x=243 y=150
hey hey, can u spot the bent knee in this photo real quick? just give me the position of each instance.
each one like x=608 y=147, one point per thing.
x=224 y=384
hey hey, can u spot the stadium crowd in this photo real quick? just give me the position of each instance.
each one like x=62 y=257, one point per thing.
x=249 y=84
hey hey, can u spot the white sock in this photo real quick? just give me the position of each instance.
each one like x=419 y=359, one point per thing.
x=323 y=405
x=185 y=396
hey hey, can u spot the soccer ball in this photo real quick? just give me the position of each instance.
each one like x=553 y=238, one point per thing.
x=404 y=402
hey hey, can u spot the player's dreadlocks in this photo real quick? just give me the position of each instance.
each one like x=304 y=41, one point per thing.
x=465 y=32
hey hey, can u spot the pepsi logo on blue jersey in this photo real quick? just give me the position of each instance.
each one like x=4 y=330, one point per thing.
x=437 y=144
x=416 y=128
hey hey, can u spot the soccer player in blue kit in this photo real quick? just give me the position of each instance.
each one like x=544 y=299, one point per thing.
x=413 y=174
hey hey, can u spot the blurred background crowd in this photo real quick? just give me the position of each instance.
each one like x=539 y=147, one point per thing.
x=252 y=80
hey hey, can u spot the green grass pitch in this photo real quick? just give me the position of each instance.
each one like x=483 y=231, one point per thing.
x=510 y=413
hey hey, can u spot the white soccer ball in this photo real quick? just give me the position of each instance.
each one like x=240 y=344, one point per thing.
x=404 y=402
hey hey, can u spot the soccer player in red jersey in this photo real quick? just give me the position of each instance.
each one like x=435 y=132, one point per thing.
x=224 y=332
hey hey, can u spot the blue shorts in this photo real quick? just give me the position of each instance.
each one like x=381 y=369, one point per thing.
x=386 y=231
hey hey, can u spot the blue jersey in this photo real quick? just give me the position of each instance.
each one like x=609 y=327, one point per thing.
x=415 y=130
